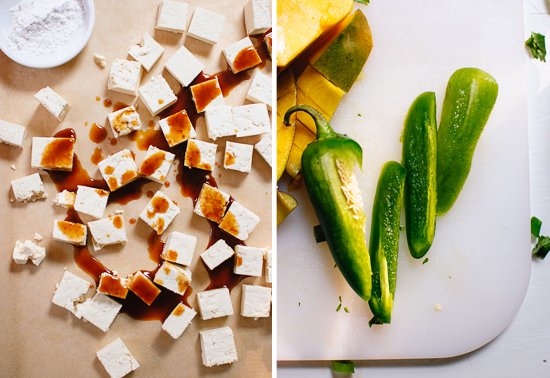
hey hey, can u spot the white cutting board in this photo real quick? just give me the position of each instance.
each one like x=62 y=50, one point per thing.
x=479 y=264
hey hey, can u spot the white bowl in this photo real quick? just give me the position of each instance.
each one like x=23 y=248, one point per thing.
x=59 y=57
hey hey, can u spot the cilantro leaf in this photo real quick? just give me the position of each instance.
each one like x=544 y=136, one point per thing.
x=542 y=247
x=537 y=45
x=343 y=367
x=536 y=224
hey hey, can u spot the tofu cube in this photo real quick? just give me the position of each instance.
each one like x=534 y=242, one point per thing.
x=173 y=277
x=239 y=221
x=65 y=199
x=124 y=77
x=215 y=303
x=177 y=128
x=206 y=26
x=119 y=169
x=108 y=231
x=23 y=251
x=117 y=359
x=156 y=164
x=69 y=232
x=160 y=212
x=260 y=89
x=178 y=320
x=113 y=285
x=55 y=154
x=147 y=52
x=211 y=203
x=251 y=119
x=263 y=148
x=238 y=156
x=100 y=311
x=172 y=16
x=144 y=288
x=28 y=189
x=218 y=347
x=53 y=102
x=184 y=66
x=257 y=16
x=124 y=121
x=157 y=95
x=256 y=301
x=90 y=202
x=249 y=261
x=217 y=254
x=179 y=248
x=70 y=291
x=219 y=122
x=201 y=155
x=268 y=266
x=12 y=134
x=268 y=39
x=207 y=95
x=242 y=55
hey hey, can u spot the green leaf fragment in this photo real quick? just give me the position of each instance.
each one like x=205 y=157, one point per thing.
x=425 y=261
x=343 y=367
x=542 y=247
x=346 y=309
x=536 y=224
x=537 y=45
x=339 y=307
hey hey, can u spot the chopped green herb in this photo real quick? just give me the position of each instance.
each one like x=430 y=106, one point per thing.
x=340 y=298
x=537 y=45
x=374 y=321
x=425 y=261
x=346 y=309
x=339 y=307
x=359 y=115
x=536 y=224
x=542 y=247
x=343 y=367
x=299 y=304
x=318 y=234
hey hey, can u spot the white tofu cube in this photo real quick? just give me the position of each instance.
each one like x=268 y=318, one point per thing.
x=113 y=285
x=206 y=26
x=65 y=199
x=119 y=169
x=100 y=311
x=218 y=347
x=251 y=119
x=211 y=203
x=29 y=188
x=257 y=16
x=156 y=164
x=90 y=202
x=144 y=288
x=217 y=254
x=219 y=122
x=69 y=232
x=23 y=251
x=173 y=277
x=178 y=320
x=201 y=155
x=238 y=156
x=179 y=248
x=160 y=212
x=239 y=221
x=108 y=231
x=268 y=266
x=147 y=52
x=249 y=261
x=124 y=77
x=215 y=303
x=184 y=66
x=256 y=301
x=263 y=148
x=124 y=121
x=12 y=134
x=55 y=154
x=53 y=102
x=207 y=95
x=260 y=89
x=242 y=55
x=70 y=291
x=117 y=359
x=172 y=16
x=157 y=95
x=177 y=128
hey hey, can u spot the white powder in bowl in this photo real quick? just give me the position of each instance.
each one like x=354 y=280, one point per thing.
x=40 y=27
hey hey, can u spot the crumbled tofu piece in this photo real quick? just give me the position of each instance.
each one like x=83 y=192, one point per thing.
x=113 y=285
x=217 y=254
x=249 y=261
x=53 y=102
x=207 y=95
x=238 y=156
x=201 y=155
x=124 y=121
x=160 y=212
x=242 y=55
x=263 y=147
x=173 y=277
x=100 y=311
x=54 y=154
x=65 y=199
x=147 y=52
x=38 y=237
x=239 y=221
x=119 y=169
x=178 y=320
x=218 y=347
x=108 y=231
x=268 y=266
x=157 y=95
x=211 y=203
x=23 y=251
x=70 y=291
x=124 y=77
x=438 y=307
x=260 y=89
x=100 y=60
x=184 y=66
x=269 y=43
x=251 y=119
x=257 y=16
x=156 y=164
x=177 y=128
x=117 y=359
x=29 y=188
x=206 y=26
x=12 y=134
x=12 y=167
x=90 y=202
x=219 y=122
x=69 y=232
x=179 y=248
x=256 y=301
x=172 y=16
x=215 y=303
x=144 y=288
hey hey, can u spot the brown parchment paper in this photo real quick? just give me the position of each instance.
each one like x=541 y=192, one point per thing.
x=39 y=339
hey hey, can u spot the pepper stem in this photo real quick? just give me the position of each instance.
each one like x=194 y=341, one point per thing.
x=324 y=130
